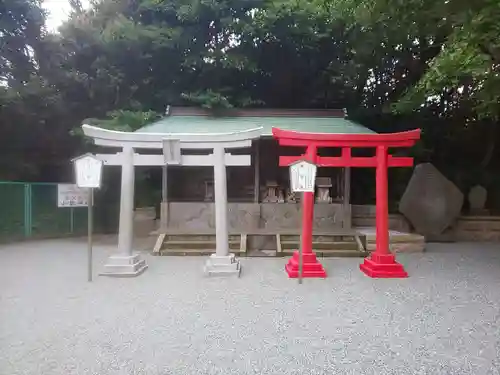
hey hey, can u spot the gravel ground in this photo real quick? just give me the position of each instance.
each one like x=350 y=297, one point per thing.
x=444 y=319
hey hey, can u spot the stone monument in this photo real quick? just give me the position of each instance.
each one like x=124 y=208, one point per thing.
x=323 y=184
x=273 y=193
x=477 y=200
x=209 y=191
x=431 y=202
x=291 y=196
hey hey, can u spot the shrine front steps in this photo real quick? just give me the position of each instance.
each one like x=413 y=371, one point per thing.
x=334 y=245
x=197 y=245
x=329 y=245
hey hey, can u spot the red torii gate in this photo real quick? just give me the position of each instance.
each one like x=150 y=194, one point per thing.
x=382 y=262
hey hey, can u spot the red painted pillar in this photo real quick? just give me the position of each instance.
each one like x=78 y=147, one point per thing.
x=308 y=210
x=382 y=208
x=307 y=222
x=382 y=262
x=310 y=265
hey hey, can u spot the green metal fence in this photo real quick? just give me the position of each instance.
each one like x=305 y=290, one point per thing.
x=29 y=210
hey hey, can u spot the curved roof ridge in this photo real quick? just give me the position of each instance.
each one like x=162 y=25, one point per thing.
x=201 y=121
x=255 y=112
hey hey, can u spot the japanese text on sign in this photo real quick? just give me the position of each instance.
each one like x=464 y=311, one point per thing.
x=88 y=171
x=303 y=176
x=70 y=195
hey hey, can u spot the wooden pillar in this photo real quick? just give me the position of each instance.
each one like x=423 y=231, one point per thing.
x=164 y=184
x=310 y=265
x=256 y=192
x=382 y=263
x=308 y=210
x=164 y=199
x=307 y=222
x=382 y=205
x=346 y=200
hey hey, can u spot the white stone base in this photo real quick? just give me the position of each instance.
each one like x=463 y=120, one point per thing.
x=222 y=266
x=124 y=266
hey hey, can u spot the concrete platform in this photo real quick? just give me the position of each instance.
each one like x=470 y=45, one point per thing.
x=400 y=242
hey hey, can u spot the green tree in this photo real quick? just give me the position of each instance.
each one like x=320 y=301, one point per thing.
x=458 y=52
x=124 y=61
x=29 y=105
x=21 y=30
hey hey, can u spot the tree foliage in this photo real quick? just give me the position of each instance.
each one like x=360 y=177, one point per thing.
x=21 y=32
x=393 y=64
x=456 y=40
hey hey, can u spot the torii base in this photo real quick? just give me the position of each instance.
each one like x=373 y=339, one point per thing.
x=124 y=266
x=227 y=265
x=383 y=266
x=310 y=266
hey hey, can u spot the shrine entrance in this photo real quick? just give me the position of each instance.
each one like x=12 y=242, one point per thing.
x=381 y=262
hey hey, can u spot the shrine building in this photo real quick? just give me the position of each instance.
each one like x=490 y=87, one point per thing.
x=264 y=181
x=259 y=195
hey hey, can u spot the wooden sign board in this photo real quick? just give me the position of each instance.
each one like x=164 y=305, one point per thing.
x=88 y=171
x=172 y=151
x=303 y=176
x=70 y=195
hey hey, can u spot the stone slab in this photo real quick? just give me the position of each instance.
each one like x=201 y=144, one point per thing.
x=399 y=242
x=397 y=222
x=249 y=216
x=200 y=215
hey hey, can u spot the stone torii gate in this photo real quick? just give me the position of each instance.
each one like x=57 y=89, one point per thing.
x=125 y=263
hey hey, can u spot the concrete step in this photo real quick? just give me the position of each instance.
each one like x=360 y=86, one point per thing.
x=197 y=237
x=261 y=253
x=201 y=252
x=194 y=244
x=320 y=238
x=322 y=245
x=334 y=253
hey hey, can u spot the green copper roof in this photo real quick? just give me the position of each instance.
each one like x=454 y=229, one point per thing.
x=188 y=123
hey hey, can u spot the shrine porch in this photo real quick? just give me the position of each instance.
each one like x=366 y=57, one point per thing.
x=261 y=243
x=263 y=228
x=272 y=229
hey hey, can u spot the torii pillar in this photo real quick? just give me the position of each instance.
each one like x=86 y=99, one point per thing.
x=222 y=262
